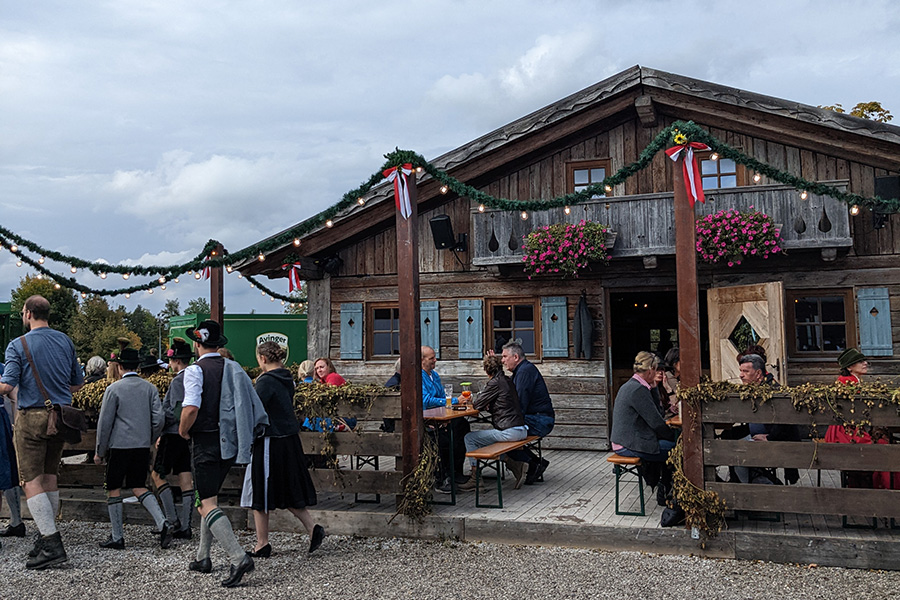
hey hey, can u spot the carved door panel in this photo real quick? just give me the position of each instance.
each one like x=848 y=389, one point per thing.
x=741 y=315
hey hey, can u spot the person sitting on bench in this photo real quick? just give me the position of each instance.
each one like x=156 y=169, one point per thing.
x=500 y=399
x=638 y=428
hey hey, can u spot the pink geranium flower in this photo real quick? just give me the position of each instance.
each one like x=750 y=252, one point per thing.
x=729 y=236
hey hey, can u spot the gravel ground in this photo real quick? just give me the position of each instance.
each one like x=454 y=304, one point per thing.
x=398 y=568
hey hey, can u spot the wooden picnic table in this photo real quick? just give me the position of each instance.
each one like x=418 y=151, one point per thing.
x=442 y=415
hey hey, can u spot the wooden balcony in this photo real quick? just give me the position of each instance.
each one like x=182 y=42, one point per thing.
x=644 y=224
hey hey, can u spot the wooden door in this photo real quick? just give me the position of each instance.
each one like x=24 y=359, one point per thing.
x=762 y=307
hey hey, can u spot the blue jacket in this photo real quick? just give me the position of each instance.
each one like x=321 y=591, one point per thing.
x=432 y=391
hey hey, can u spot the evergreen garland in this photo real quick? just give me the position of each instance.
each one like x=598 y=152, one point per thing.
x=208 y=257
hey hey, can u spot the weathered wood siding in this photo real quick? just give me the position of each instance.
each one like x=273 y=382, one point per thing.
x=578 y=387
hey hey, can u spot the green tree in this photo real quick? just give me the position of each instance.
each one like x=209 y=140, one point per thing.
x=198 y=306
x=865 y=110
x=171 y=309
x=145 y=325
x=96 y=326
x=63 y=304
x=299 y=304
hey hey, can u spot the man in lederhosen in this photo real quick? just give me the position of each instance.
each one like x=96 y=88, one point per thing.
x=173 y=454
x=219 y=415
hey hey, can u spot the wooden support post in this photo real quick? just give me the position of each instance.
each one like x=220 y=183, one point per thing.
x=410 y=333
x=688 y=322
x=217 y=291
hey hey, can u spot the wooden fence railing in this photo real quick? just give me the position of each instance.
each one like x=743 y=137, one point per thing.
x=363 y=442
x=801 y=455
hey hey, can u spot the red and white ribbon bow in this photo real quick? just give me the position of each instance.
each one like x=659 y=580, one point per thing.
x=401 y=187
x=293 y=276
x=206 y=269
x=692 y=182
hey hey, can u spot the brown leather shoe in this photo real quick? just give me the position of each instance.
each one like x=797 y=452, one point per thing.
x=518 y=469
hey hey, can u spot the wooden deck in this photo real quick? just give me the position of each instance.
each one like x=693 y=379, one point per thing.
x=574 y=507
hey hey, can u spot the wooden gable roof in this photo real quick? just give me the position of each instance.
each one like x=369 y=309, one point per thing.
x=645 y=92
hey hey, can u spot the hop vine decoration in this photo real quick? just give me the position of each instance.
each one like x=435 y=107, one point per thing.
x=90 y=396
x=703 y=509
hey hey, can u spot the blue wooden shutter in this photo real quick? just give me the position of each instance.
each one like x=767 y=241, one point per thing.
x=471 y=328
x=874 y=321
x=429 y=318
x=352 y=331
x=554 y=327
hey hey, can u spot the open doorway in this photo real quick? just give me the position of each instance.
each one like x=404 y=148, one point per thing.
x=645 y=320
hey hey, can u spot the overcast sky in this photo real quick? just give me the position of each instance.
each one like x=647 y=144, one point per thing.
x=137 y=130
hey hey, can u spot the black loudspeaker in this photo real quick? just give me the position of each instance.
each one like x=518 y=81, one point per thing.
x=332 y=265
x=442 y=232
x=887 y=188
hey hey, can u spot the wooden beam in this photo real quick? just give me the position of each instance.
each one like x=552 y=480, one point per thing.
x=217 y=291
x=688 y=321
x=809 y=500
x=410 y=332
x=802 y=455
x=645 y=110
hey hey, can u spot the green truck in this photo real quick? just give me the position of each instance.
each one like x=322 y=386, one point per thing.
x=245 y=332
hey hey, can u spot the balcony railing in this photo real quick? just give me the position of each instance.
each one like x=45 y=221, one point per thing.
x=645 y=223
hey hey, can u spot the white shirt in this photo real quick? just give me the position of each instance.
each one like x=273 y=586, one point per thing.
x=193 y=382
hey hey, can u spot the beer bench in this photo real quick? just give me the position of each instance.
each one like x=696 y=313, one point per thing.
x=489 y=457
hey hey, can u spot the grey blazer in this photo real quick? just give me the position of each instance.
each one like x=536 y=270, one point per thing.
x=131 y=415
x=637 y=424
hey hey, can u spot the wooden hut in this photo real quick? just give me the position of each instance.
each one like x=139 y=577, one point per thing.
x=837 y=285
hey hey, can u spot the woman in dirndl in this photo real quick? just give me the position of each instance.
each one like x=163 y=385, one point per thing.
x=278 y=474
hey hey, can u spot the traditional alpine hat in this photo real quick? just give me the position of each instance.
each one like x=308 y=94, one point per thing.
x=208 y=333
x=849 y=357
x=128 y=358
x=180 y=350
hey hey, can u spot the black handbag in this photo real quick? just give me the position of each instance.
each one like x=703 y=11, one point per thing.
x=63 y=420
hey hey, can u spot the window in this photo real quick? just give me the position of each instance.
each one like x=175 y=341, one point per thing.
x=720 y=173
x=384 y=334
x=514 y=319
x=583 y=173
x=820 y=322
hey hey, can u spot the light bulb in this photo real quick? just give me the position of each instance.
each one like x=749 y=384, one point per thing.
x=18 y=263
x=125 y=275
x=56 y=286
x=197 y=276
x=329 y=223
x=41 y=260
x=127 y=296
x=803 y=195
x=150 y=291
x=567 y=210
x=419 y=170
x=297 y=240
x=713 y=156
x=444 y=189
x=162 y=280
x=252 y=285
x=74 y=269
x=272 y=299
x=282 y=302
x=102 y=275
x=261 y=257
x=240 y=276
x=175 y=280
x=481 y=208
x=83 y=295
x=854 y=210
x=608 y=188
x=263 y=293
x=13 y=248
x=756 y=177
x=524 y=215
x=361 y=201
x=213 y=253
x=229 y=268
x=162 y=287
